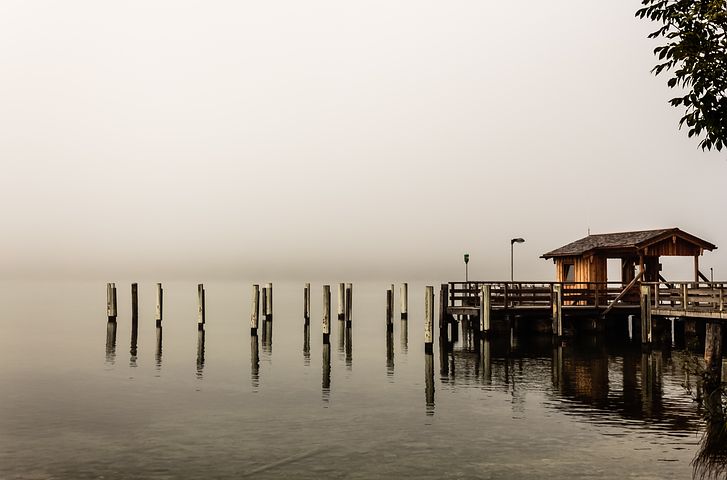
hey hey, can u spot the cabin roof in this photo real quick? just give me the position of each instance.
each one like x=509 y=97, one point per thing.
x=624 y=240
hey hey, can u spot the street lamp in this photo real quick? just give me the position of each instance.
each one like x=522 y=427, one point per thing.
x=466 y=261
x=512 y=243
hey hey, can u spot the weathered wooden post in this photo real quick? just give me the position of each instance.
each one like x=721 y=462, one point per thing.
x=306 y=344
x=111 y=341
x=558 y=310
x=326 y=314
x=200 y=307
x=111 y=302
x=306 y=304
x=160 y=305
x=443 y=316
x=646 y=330
x=341 y=301
x=713 y=354
x=255 y=307
x=264 y=302
x=269 y=308
x=404 y=294
x=429 y=319
x=349 y=303
x=134 y=302
x=485 y=309
x=389 y=313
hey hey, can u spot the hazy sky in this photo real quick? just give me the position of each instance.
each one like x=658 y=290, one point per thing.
x=313 y=139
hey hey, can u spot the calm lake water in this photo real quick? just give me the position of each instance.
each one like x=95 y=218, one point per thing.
x=521 y=408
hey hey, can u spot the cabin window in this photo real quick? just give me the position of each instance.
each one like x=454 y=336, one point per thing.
x=569 y=272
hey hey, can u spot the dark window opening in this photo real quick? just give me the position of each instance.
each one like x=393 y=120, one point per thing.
x=569 y=272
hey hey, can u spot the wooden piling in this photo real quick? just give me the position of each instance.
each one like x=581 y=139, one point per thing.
x=269 y=308
x=389 y=312
x=160 y=305
x=255 y=307
x=485 y=309
x=443 y=316
x=326 y=313
x=428 y=319
x=404 y=294
x=134 y=302
x=349 y=303
x=111 y=302
x=306 y=304
x=429 y=383
x=646 y=324
x=713 y=355
x=264 y=303
x=558 y=310
x=200 y=307
x=341 y=301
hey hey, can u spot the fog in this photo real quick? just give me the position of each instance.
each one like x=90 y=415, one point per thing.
x=312 y=139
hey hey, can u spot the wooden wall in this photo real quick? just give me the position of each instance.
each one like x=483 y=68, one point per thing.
x=587 y=269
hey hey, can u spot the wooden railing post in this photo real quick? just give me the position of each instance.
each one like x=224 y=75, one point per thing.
x=685 y=297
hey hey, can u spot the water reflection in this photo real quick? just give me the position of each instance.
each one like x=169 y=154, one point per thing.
x=158 y=356
x=267 y=339
x=349 y=346
x=404 y=335
x=200 y=353
x=342 y=338
x=111 y=342
x=134 y=338
x=326 y=381
x=429 y=383
x=254 y=362
x=485 y=361
x=306 y=344
x=389 y=354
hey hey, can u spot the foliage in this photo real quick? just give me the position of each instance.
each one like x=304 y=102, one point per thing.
x=695 y=54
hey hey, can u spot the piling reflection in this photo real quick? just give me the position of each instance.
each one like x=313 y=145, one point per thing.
x=306 y=344
x=349 y=346
x=111 y=342
x=200 y=353
x=158 y=355
x=485 y=361
x=134 y=338
x=326 y=372
x=429 y=383
x=389 y=354
x=341 y=338
x=267 y=340
x=254 y=362
x=404 y=336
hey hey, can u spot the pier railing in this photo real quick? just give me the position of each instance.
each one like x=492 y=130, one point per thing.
x=692 y=297
x=524 y=295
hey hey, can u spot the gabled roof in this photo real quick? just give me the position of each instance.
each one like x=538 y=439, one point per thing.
x=624 y=240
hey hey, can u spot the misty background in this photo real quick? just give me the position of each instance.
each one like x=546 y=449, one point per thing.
x=310 y=139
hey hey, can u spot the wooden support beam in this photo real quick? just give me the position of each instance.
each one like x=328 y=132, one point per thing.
x=341 y=301
x=646 y=326
x=485 y=309
x=389 y=310
x=255 y=307
x=326 y=325
x=200 y=307
x=623 y=293
x=404 y=298
x=428 y=319
x=160 y=305
x=111 y=302
x=306 y=304
x=349 y=303
x=558 y=310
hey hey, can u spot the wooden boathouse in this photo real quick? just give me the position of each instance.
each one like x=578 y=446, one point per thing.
x=582 y=287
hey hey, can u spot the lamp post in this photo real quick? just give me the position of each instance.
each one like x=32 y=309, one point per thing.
x=466 y=272
x=512 y=263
